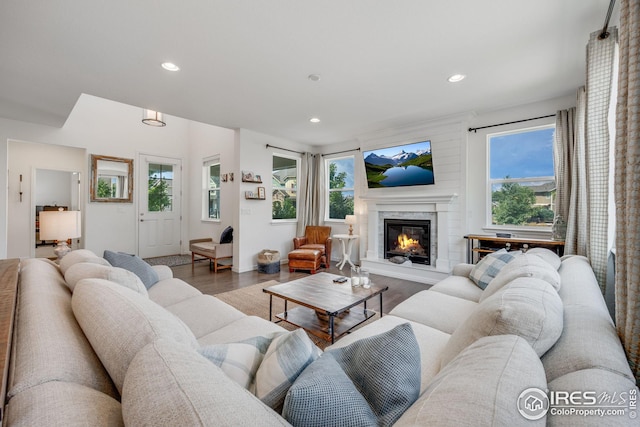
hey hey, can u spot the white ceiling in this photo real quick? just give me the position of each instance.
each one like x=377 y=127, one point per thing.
x=244 y=63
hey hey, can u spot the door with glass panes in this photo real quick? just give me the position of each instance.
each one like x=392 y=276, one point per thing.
x=159 y=207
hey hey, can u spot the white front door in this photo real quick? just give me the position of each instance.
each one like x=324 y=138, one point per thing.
x=159 y=206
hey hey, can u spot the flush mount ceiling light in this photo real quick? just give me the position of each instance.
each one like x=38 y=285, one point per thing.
x=152 y=118
x=314 y=77
x=456 y=78
x=170 y=66
x=314 y=120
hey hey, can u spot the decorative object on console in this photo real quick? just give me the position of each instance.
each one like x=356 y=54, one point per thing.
x=60 y=225
x=153 y=118
x=351 y=220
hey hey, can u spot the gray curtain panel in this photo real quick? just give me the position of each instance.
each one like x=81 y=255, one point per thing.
x=627 y=177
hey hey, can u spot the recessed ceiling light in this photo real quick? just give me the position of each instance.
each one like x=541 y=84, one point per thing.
x=314 y=77
x=314 y=120
x=456 y=78
x=170 y=66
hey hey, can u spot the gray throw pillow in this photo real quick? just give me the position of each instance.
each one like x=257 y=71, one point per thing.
x=489 y=266
x=384 y=369
x=135 y=264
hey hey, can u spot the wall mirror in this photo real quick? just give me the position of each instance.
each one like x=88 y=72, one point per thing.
x=111 y=179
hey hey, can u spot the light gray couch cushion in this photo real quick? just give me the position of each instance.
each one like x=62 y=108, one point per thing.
x=589 y=340
x=529 y=308
x=458 y=286
x=88 y=270
x=205 y=314
x=603 y=383
x=63 y=404
x=480 y=387
x=171 y=291
x=579 y=284
x=80 y=255
x=171 y=384
x=523 y=265
x=48 y=342
x=241 y=329
x=547 y=255
x=440 y=311
x=119 y=322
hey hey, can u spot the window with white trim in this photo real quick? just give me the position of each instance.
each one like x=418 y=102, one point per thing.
x=339 y=182
x=521 y=181
x=284 y=182
x=211 y=188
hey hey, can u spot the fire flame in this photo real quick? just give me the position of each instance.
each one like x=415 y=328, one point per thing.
x=405 y=242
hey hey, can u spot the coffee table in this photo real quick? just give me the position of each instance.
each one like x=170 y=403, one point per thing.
x=328 y=310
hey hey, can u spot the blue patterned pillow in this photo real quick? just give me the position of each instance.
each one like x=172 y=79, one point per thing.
x=489 y=266
x=383 y=369
x=287 y=356
x=135 y=264
x=239 y=360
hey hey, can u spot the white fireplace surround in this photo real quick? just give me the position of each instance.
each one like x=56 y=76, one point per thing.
x=436 y=208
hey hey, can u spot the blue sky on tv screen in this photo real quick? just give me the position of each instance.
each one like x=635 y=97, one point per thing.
x=522 y=155
x=409 y=148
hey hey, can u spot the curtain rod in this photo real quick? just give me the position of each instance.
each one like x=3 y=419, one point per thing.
x=604 y=34
x=340 y=152
x=509 y=123
x=285 y=149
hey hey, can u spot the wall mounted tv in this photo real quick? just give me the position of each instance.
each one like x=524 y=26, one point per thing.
x=400 y=165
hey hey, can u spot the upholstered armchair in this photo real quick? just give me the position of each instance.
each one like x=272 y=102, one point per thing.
x=213 y=250
x=316 y=237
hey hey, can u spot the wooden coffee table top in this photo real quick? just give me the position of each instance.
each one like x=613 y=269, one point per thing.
x=319 y=292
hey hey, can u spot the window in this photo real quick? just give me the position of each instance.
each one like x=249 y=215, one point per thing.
x=340 y=177
x=160 y=189
x=284 y=179
x=211 y=188
x=522 y=186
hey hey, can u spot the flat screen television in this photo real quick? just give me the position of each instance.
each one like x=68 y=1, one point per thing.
x=399 y=166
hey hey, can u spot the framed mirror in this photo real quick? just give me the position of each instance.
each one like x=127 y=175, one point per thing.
x=111 y=179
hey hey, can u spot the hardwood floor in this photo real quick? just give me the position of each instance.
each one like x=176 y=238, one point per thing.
x=212 y=283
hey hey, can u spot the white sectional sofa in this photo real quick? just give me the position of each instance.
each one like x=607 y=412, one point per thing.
x=92 y=345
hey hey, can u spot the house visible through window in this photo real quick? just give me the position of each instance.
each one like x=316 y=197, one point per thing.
x=160 y=188
x=284 y=181
x=211 y=188
x=522 y=186
x=340 y=178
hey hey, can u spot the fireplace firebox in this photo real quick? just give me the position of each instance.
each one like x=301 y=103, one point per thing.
x=409 y=238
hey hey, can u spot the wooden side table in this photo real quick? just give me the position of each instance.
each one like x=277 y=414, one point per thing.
x=347 y=244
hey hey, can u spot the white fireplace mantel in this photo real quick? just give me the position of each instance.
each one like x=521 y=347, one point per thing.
x=439 y=204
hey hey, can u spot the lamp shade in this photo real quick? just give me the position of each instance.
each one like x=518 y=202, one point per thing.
x=60 y=225
x=152 y=118
x=350 y=219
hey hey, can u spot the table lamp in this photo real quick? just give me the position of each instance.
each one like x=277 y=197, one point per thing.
x=350 y=219
x=59 y=226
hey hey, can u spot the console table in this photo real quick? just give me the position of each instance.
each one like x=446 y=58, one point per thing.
x=479 y=245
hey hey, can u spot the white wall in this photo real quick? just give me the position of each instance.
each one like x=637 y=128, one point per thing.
x=98 y=126
x=255 y=229
x=53 y=188
x=448 y=146
x=206 y=141
x=476 y=212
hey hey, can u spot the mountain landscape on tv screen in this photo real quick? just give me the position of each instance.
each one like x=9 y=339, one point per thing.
x=401 y=169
